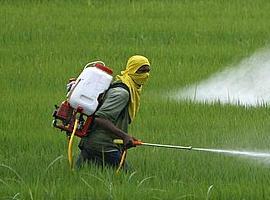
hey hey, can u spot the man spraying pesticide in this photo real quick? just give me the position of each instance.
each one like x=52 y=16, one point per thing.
x=109 y=118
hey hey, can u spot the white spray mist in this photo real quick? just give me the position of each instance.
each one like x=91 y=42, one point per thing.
x=247 y=83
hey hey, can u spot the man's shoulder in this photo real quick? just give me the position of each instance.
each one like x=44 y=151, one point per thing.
x=119 y=88
x=120 y=85
x=119 y=91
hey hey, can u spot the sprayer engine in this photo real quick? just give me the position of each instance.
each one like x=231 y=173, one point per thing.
x=65 y=116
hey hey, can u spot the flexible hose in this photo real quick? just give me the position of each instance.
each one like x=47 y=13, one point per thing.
x=123 y=157
x=70 y=144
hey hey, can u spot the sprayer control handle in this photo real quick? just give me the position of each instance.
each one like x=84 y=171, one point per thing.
x=120 y=141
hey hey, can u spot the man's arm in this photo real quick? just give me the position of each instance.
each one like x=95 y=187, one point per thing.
x=109 y=126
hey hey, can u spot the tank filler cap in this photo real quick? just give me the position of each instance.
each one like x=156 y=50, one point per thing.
x=104 y=68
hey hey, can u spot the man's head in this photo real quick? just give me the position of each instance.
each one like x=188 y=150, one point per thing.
x=134 y=76
x=138 y=68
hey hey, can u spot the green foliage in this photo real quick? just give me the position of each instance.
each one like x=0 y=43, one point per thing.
x=43 y=43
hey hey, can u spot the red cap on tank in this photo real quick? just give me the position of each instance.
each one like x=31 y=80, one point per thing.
x=104 y=68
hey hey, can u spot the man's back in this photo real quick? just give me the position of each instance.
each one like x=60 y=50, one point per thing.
x=115 y=109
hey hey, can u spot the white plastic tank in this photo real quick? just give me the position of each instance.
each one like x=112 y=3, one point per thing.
x=94 y=80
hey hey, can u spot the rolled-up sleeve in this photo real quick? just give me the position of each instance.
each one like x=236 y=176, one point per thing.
x=115 y=101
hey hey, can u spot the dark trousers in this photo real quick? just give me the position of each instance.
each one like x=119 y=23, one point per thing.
x=111 y=159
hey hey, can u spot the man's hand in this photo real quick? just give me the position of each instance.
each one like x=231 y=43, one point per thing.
x=129 y=142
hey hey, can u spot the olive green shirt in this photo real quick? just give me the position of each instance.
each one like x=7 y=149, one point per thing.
x=115 y=109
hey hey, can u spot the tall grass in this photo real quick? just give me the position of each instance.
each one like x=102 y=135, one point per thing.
x=43 y=43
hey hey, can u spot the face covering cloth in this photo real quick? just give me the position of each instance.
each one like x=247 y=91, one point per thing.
x=134 y=81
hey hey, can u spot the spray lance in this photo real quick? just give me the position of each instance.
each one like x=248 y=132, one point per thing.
x=140 y=143
x=247 y=154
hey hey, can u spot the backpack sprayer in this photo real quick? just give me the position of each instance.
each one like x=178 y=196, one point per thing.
x=75 y=114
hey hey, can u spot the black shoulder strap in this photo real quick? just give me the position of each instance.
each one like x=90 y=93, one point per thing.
x=119 y=84
x=113 y=85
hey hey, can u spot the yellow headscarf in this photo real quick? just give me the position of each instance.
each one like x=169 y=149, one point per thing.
x=134 y=81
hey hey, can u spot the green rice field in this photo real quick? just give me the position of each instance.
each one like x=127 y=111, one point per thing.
x=45 y=42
